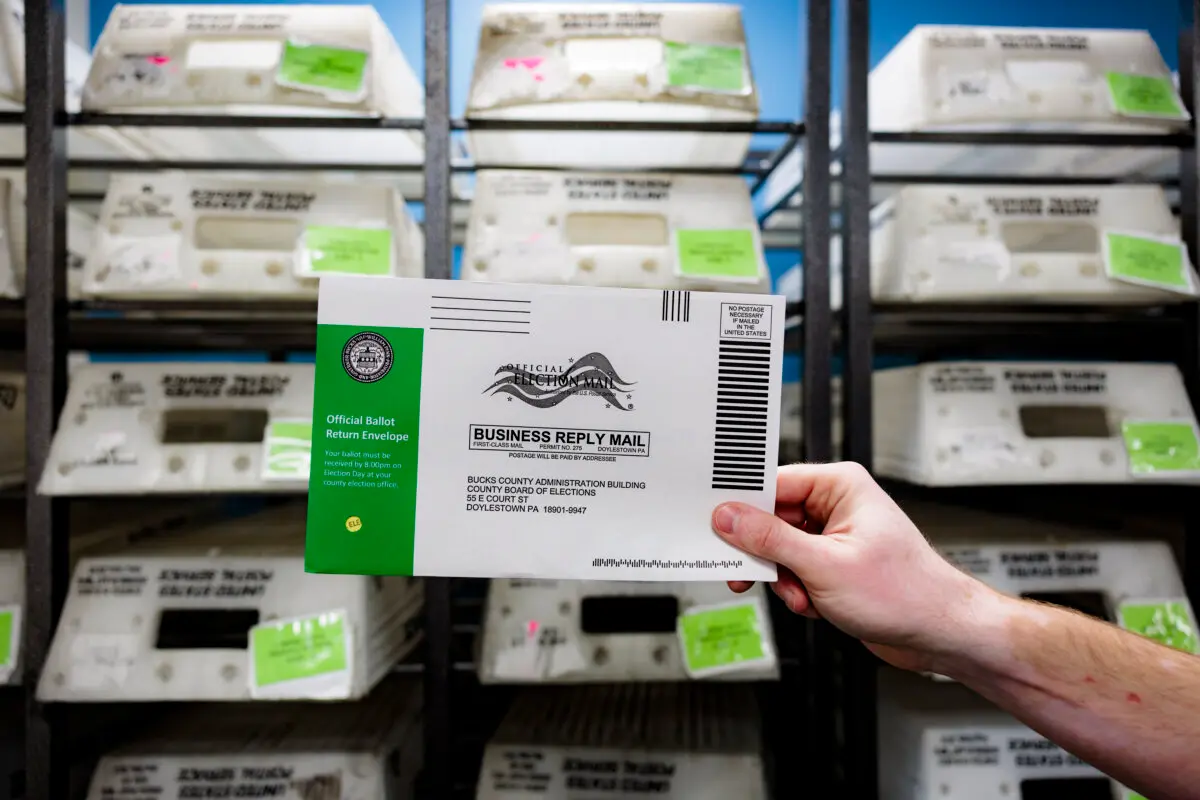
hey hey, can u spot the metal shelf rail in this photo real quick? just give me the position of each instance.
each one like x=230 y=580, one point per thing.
x=958 y=330
x=758 y=167
x=50 y=327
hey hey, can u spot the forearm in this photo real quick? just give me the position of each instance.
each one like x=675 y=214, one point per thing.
x=1125 y=704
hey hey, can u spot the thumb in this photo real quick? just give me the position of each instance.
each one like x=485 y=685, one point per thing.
x=767 y=536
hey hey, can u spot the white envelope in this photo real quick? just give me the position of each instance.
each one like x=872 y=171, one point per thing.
x=502 y=430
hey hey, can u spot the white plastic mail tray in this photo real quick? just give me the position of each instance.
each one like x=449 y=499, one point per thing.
x=170 y=617
x=92 y=528
x=182 y=235
x=12 y=602
x=1018 y=244
x=654 y=62
x=542 y=631
x=12 y=428
x=973 y=423
x=258 y=60
x=943 y=742
x=676 y=741
x=89 y=142
x=632 y=230
x=80 y=229
x=290 y=751
x=12 y=54
x=182 y=428
x=949 y=77
x=12 y=238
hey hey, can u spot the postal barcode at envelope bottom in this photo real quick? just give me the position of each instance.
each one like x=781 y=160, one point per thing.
x=655 y=563
x=464 y=450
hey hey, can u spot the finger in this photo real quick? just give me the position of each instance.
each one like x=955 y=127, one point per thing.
x=819 y=488
x=767 y=536
x=791 y=591
x=805 y=610
x=792 y=515
x=741 y=586
x=798 y=518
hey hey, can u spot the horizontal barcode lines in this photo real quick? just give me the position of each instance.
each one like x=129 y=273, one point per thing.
x=740 y=448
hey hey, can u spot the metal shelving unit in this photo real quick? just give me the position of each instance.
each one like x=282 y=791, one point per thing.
x=829 y=683
x=966 y=331
x=49 y=327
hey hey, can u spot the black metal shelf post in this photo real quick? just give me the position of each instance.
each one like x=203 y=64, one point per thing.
x=46 y=531
x=816 y=380
x=438 y=260
x=858 y=665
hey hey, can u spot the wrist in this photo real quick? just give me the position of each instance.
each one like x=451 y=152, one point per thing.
x=973 y=635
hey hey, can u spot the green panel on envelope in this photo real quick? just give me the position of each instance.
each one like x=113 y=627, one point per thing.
x=362 y=498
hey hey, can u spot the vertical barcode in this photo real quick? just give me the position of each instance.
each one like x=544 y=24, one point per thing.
x=740 y=450
x=676 y=306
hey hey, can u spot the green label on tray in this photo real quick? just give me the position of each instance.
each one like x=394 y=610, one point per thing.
x=1158 y=447
x=362 y=497
x=301 y=648
x=728 y=255
x=719 y=638
x=713 y=67
x=1146 y=261
x=325 y=69
x=1167 y=622
x=356 y=251
x=8 y=638
x=1144 y=95
x=288 y=449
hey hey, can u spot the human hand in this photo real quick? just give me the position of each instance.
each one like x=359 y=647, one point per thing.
x=848 y=554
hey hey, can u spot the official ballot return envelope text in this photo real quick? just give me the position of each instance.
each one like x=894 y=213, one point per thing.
x=507 y=430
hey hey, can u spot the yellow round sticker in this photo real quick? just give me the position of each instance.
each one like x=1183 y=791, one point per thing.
x=354 y=524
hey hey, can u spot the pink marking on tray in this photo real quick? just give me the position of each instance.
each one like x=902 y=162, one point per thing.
x=539 y=78
x=528 y=63
x=159 y=60
x=531 y=628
